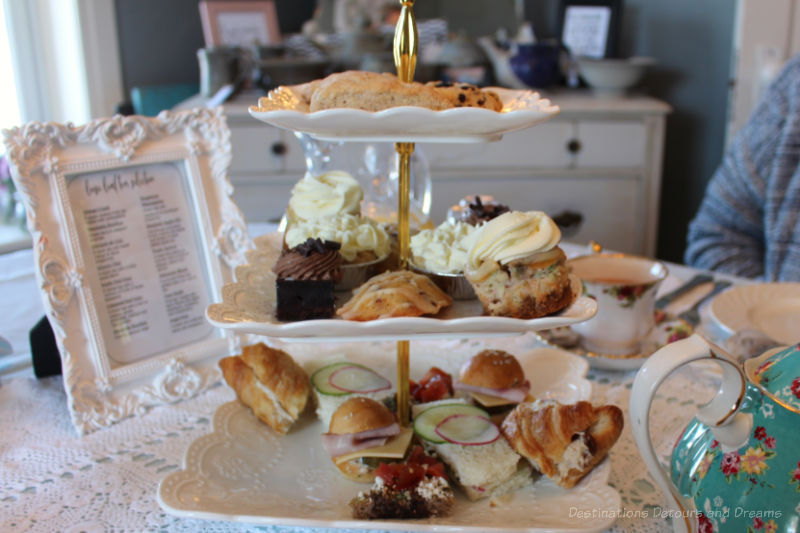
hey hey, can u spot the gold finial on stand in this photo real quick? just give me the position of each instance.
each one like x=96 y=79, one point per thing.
x=405 y=59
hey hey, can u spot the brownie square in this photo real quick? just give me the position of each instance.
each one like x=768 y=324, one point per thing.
x=304 y=299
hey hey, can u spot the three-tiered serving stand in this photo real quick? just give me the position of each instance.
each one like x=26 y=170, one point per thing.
x=404 y=126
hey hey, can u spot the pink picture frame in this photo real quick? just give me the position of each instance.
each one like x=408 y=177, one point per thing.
x=239 y=23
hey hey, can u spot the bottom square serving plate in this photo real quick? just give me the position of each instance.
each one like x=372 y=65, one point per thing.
x=245 y=472
x=248 y=306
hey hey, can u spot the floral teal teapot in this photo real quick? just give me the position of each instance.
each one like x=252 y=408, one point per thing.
x=736 y=467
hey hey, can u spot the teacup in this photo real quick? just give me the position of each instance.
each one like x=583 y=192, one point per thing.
x=624 y=287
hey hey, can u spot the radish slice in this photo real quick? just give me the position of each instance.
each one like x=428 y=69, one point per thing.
x=356 y=378
x=467 y=430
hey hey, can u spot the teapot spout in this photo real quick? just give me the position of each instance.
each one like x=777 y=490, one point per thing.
x=501 y=64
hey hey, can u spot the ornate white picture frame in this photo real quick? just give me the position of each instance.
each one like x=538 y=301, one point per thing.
x=134 y=233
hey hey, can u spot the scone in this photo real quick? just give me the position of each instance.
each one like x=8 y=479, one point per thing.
x=269 y=382
x=467 y=95
x=372 y=91
x=399 y=293
x=517 y=268
x=563 y=442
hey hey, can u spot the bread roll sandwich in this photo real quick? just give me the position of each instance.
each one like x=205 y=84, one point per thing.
x=563 y=442
x=361 y=432
x=335 y=383
x=495 y=379
x=469 y=443
x=269 y=382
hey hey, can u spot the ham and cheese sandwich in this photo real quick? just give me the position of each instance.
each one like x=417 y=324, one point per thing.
x=362 y=432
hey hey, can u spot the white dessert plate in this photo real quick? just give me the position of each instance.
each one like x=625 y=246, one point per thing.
x=244 y=472
x=772 y=308
x=521 y=109
x=248 y=306
x=667 y=331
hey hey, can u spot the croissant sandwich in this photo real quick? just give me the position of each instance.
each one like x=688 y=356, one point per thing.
x=563 y=442
x=269 y=382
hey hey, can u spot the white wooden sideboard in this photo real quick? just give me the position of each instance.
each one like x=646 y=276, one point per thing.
x=600 y=157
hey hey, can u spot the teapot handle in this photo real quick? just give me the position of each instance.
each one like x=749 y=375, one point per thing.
x=729 y=427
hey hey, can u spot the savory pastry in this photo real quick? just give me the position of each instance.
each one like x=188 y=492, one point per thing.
x=324 y=195
x=372 y=91
x=469 y=443
x=414 y=488
x=335 y=383
x=494 y=378
x=269 y=382
x=517 y=268
x=563 y=442
x=362 y=239
x=476 y=210
x=361 y=431
x=306 y=275
x=399 y=293
x=468 y=95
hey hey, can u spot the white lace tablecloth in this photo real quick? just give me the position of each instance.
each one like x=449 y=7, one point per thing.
x=53 y=480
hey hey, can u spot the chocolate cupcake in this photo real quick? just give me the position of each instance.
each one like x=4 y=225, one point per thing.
x=476 y=209
x=306 y=275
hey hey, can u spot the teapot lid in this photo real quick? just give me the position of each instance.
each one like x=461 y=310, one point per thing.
x=777 y=372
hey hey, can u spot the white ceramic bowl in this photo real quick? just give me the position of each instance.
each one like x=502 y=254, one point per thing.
x=613 y=77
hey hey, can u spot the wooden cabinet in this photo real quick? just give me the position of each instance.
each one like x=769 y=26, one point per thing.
x=599 y=157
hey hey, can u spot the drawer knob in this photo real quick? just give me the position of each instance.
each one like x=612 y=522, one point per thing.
x=574 y=146
x=278 y=148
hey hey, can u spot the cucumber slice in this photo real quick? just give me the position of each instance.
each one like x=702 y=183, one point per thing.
x=467 y=430
x=340 y=379
x=425 y=423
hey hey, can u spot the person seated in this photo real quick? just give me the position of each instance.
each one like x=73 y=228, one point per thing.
x=749 y=221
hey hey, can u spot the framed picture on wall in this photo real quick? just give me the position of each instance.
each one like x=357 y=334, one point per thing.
x=239 y=23
x=135 y=234
x=590 y=28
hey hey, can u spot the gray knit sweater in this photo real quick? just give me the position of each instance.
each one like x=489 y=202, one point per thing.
x=748 y=223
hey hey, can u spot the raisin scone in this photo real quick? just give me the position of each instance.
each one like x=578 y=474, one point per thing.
x=372 y=91
x=467 y=95
x=517 y=268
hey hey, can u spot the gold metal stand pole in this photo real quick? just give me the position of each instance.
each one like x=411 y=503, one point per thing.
x=405 y=59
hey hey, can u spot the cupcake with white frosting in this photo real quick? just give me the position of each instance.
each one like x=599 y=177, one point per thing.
x=517 y=268
x=441 y=253
x=328 y=207
x=324 y=195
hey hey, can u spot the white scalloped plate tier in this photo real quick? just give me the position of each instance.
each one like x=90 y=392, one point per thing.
x=245 y=472
x=248 y=306
x=521 y=109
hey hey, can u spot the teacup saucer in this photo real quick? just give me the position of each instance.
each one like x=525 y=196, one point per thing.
x=667 y=329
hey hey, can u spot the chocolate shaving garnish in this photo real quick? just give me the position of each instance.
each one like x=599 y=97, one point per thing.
x=316 y=245
x=481 y=211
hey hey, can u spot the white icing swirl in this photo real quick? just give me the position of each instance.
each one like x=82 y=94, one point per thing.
x=328 y=194
x=512 y=236
x=443 y=250
x=354 y=232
